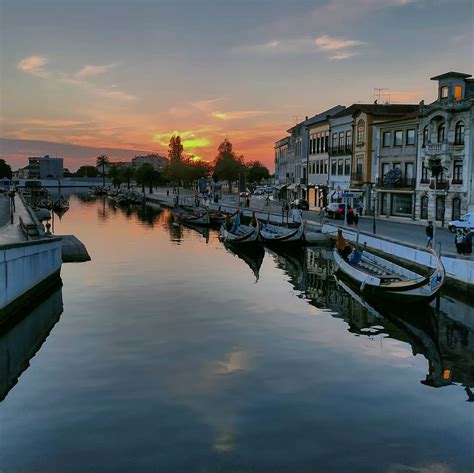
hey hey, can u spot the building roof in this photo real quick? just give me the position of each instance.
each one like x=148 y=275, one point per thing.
x=377 y=109
x=409 y=116
x=320 y=117
x=451 y=74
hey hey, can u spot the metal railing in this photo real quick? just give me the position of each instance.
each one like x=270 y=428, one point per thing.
x=402 y=183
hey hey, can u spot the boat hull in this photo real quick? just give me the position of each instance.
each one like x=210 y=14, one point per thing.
x=243 y=237
x=273 y=234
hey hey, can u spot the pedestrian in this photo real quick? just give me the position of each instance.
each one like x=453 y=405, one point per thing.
x=167 y=192
x=356 y=220
x=459 y=242
x=350 y=217
x=468 y=241
x=342 y=246
x=361 y=208
x=429 y=235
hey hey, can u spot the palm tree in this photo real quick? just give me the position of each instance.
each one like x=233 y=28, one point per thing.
x=102 y=161
x=147 y=175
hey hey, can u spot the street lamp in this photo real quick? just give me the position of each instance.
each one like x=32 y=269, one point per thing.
x=374 y=206
x=436 y=168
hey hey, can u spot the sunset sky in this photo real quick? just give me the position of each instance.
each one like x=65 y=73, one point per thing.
x=127 y=74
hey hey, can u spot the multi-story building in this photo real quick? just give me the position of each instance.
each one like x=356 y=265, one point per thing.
x=340 y=156
x=446 y=134
x=281 y=165
x=158 y=162
x=44 y=167
x=297 y=148
x=316 y=161
x=394 y=166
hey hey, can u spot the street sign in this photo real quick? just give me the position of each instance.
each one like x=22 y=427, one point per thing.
x=347 y=196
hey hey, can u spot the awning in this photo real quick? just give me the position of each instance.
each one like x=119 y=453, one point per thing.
x=291 y=187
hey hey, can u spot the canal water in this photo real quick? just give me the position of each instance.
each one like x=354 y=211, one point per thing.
x=169 y=353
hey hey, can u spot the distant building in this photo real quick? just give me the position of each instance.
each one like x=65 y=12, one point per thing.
x=45 y=167
x=281 y=164
x=158 y=162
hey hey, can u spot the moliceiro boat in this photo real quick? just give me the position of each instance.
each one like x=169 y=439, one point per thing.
x=244 y=235
x=276 y=234
x=198 y=218
x=379 y=278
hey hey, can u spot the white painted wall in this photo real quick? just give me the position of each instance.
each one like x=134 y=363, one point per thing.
x=25 y=265
x=459 y=269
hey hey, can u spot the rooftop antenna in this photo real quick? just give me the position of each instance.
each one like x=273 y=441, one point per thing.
x=381 y=95
x=296 y=117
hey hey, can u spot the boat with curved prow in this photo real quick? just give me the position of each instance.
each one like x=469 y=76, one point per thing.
x=280 y=235
x=198 y=218
x=382 y=279
x=241 y=234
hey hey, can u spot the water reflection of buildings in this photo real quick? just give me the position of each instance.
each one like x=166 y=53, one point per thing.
x=445 y=337
x=20 y=343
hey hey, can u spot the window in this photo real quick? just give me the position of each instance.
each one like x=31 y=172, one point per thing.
x=360 y=132
x=333 y=167
x=402 y=204
x=387 y=139
x=347 y=167
x=318 y=144
x=334 y=141
x=444 y=92
x=409 y=171
x=326 y=167
x=457 y=92
x=459 y=134
x=341 y=140
x=424 y=208
x=424 y=173
x=359 y=167
x=425 y=136
x=326 y=143
x=410 y=137
x=398 y=140
x=349 y=139
x=340 y=169
x=456 y=215
x=457 y=172
x=397 y=166
x=441 y=133
x=385 y=169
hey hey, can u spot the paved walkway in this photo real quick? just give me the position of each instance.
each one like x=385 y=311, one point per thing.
x=4 y=210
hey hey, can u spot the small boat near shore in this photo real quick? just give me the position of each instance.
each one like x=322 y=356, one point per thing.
x=245 y=235
x=382 y=279
x=193 y=218
x=275 y=234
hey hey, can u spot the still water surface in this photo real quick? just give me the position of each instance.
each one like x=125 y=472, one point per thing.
x=168 y=353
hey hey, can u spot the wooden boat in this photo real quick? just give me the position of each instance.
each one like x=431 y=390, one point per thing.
x=241 y=234
x=194 y=218
x=379 y=278
x=218 y=217
x=61 y=204
x=281 y=235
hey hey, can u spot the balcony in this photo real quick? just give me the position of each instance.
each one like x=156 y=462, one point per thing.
x=438 y=148
x=401 y=183
x=441 y=184
x=337 y=151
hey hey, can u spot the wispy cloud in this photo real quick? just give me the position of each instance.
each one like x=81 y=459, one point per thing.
x=337 y=48
x=89 y=70
x=294 y=45
x=34 y=65
x=239 y=115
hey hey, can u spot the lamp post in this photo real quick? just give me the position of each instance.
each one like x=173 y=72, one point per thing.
x=374 y=207
x=436 y=168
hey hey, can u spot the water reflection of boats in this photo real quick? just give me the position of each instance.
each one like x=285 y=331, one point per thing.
x=276 y=234
x=20 y=342
x=444 y=337
x=252 y=256
x=383 y=279
x=193 y=218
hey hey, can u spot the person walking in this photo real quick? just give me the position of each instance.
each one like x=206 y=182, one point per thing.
x=429 y=235
x=459 y=242
x=350 y=217
x=468 y=242
x=356 y=220
x=361 y=208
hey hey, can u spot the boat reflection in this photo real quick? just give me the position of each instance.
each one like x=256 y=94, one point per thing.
x=253 y=257
x=19 y=343
x=444 y=336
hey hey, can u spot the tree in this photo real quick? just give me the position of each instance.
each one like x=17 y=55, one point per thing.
x=103 y=161
x=227 y=164
x=147 y=175
x=128 y=174
x=256 y=172
x=5 y=170
x=175 y=151
x=87 y=171
x=116 y=175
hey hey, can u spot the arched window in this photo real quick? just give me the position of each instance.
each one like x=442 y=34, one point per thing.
x=459 y=133
x=456 y=215
x=424 y=208
x=425 y=136
x=441 y=133
x=360 y=131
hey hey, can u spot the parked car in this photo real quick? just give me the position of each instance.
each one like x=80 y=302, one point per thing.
x=336 y=210
x=269 y=190
x=259 y=191
x=301 y=204
x=466 y=221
